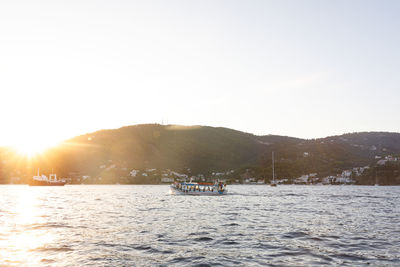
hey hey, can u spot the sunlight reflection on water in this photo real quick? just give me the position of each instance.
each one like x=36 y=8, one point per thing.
x=21 y=240
x=147 y=226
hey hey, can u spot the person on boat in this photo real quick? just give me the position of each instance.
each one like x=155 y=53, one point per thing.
x=223 y=186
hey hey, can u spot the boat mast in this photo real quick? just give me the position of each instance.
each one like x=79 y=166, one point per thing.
x=273 y=168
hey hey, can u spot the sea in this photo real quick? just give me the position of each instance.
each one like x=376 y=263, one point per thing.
x=253 y=225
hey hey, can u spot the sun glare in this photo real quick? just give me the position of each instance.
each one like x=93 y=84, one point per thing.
x=32 y=148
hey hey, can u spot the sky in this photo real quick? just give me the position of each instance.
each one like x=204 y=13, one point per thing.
x=298 y=68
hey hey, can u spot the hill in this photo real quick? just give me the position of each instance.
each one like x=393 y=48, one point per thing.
x=195 y=150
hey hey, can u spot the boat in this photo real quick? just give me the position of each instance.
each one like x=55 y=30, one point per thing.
x=273 y=182
x=198 y=189
x=43 y=180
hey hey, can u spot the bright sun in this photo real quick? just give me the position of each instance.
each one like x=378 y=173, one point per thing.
x=33 y=147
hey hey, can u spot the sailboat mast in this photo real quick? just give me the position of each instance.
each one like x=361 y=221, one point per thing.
x=273 y=167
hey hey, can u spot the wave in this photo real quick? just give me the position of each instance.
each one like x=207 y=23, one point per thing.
x=231 y=224
x=47 y=225
x=203 y=239
x=55 y=249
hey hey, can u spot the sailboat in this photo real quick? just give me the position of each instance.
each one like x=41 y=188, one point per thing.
x=273 y=182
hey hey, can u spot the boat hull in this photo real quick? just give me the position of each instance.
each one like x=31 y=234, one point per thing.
x=46 y=183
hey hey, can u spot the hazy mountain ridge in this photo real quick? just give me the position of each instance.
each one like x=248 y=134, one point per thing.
x=202 y=150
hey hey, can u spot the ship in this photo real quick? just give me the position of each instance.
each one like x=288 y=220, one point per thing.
x=43 y=180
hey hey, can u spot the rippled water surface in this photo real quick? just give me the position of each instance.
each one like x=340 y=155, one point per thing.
x=136 y=225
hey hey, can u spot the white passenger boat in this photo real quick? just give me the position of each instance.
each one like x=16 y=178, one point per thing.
x=197 y=189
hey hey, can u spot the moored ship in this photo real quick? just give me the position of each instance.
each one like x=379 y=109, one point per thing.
x=43 y=180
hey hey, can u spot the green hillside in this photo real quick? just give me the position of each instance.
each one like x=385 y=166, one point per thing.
x=194 y=150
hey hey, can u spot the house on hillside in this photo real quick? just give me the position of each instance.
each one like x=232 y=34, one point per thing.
x=179 y=175
x=346 y=173
x=133 y=173
x=343 y=180
x=167 y=180
x=381 y=162
x=250 y=180
x=328 y=179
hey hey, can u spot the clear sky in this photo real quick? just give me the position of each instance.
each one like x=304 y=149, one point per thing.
x=298 y=68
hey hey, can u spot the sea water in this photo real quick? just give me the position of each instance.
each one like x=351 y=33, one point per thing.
x=144 y=225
